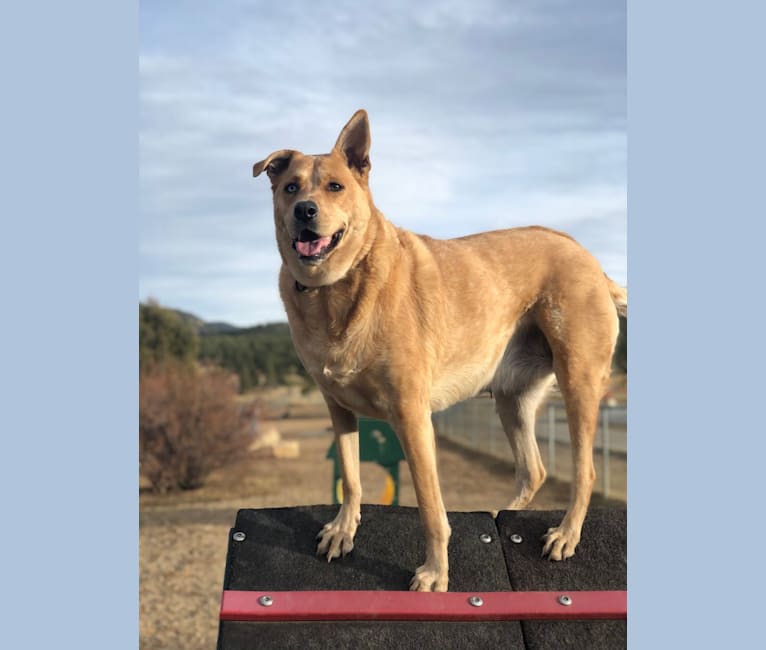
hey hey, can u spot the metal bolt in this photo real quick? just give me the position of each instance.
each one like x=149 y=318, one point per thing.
x=266 y=601
x=238 y=536
x=475 y=601
x=484 y=537
x=516 y=539
x=565 y=600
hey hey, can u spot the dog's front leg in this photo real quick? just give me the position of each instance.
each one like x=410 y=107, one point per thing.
x=416 y=433
x=337 y=537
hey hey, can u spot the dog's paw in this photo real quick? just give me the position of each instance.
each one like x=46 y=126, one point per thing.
x=427 y=578
x=560 y=543
x=337 y=537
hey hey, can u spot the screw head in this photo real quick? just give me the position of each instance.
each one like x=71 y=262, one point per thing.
x=484 y=537
x=565 y=600
x=266 y=601
x=516 y=539
x=239 y=536
x=475 y=601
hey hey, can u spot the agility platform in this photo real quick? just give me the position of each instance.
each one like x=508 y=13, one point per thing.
x=277 y=593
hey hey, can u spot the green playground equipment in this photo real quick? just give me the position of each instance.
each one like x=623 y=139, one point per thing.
x=377 y=444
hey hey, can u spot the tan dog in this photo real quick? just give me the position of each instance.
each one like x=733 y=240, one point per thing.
x=395 y=326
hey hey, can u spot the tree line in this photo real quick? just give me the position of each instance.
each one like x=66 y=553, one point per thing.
x=261 y=356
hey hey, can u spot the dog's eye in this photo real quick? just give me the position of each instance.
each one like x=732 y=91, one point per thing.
x=291 y=188
x=334 y=187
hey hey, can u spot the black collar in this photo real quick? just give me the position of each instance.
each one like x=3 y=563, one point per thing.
x=300 y=288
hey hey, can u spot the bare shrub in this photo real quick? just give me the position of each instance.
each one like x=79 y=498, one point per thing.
x=189 y=424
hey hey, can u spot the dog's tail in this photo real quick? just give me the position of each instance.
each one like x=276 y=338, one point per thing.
x=619 y=296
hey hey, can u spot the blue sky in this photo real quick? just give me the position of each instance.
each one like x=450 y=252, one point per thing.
x=485 y=114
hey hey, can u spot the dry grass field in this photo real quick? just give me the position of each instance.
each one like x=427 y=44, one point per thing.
x=183 y=536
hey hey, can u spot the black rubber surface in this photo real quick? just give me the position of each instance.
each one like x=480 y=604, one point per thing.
x=599 y=563
x=279 y=553
x=388 y=635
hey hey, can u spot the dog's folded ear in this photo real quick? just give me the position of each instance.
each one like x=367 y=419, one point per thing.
x=354 y=143
x=274 y=164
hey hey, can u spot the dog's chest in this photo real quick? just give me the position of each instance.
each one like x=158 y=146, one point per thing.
x=336 y=372
x=325 y=360
x=343 y=373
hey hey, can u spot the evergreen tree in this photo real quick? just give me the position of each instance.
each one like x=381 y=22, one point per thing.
x=163 y=336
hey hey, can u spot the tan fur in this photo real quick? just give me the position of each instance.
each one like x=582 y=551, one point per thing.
x=395 y=325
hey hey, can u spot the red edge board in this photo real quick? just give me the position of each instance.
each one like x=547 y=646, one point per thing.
x=413 y=606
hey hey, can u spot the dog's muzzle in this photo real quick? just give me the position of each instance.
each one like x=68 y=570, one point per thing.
x=312 y=247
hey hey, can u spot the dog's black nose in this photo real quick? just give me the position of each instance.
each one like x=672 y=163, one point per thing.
x=306 y=210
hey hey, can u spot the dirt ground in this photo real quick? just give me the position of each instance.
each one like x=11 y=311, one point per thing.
x=183 y=536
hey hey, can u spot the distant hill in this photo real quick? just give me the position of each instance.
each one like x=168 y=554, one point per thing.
x=218 y=328
x=204 y=328
x=187 y=318
x=260 y=355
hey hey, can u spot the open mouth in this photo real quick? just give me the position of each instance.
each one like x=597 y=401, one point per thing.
x=314 y=248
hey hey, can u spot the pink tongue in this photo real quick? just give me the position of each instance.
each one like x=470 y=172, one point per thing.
x=309 y=248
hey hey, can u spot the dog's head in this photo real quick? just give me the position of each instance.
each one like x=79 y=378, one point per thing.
x=322 y=204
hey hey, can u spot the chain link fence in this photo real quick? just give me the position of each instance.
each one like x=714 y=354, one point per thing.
x=475 y=424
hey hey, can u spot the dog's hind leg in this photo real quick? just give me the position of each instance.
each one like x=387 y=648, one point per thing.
x=337 y=537
x=517 y=411
x=582 y=406
x=582 y=356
